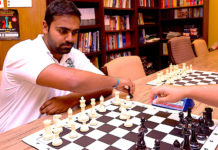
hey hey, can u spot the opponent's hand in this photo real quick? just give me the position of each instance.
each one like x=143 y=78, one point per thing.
x=124 y=84
x=166 y=93
x=55 y=105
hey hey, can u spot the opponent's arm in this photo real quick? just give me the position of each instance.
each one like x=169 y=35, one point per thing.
x=203 y=93
x=75 y=80
x=61 y=104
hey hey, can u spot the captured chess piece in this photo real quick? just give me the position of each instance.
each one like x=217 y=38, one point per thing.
x=209 y=111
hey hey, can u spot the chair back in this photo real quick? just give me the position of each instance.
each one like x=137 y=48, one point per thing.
x=180 y=49
x=127 y=66
x=200 y=47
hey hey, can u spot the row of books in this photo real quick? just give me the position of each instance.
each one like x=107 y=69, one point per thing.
x=116 y=22
x=145 y=19
x=117 y=3
x=147 y=3
x=165 y=48
x=88 y=42
x=188 y=13
x=179 y=3
x=87 y=16
x=116 y=55
x=117 y=40
x=94 y=60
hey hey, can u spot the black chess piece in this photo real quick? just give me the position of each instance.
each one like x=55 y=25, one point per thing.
x=186 y=143
x=209 y=111
x=189 y=116
x=185 y=128
x=143 y=127
x=176 y=145
x=130 y=95
x=193 y=140
x=181 y=120
x=206 y=128
x=140 y=144
x=201 y=135
x=157 y=144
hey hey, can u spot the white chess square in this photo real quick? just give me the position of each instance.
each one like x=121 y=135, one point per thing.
x=115 y=122
x=133 y=112
x=96 y=134
x=163 y=128
x=113 y=114
x=156 y=119
x=97 y=145
x=119 y=132
x=136 y=121
x=174 y=116
x=171 y=138
x=123 y=144
x=111 y=107
x=151 y=111
x=149 y=142
x=72 y=139
x=72 y=145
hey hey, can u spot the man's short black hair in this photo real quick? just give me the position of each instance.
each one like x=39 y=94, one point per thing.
x=59 y=8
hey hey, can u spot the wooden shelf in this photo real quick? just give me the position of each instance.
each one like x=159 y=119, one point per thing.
x=148 y=25
x=120 y=49
x=183 y=7
x=149 y=44
x=147 y=8
x=115 y=31
x=85 y=27
x=173 y=19
x=93 y=53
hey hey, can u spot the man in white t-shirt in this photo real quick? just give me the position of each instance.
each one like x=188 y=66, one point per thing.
x=47 y=75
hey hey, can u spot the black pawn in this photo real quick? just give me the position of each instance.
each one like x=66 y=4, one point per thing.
x=201 y=135
x=189 y=116
x=143 y=127
x=206 y=129
x=209 y=111
x=176 y=145
x=193 y=140
x=157 y=144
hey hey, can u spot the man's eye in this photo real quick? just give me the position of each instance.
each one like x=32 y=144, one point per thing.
x=75 y=32
x=62 y=31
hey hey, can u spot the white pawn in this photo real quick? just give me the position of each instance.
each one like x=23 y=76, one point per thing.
x=93 y=122
x=57 y=140
x=69 y=117
x=57 y=122
x=123 y=113
x=121 y=105
x=93 y=113
x=73 y=133
x=128 y=122
x=47 y=135
x=117 y=98
x=128 y=102
x=102 y=107
x=84 y=127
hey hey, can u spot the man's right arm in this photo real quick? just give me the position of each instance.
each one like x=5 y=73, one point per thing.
x=75 y=80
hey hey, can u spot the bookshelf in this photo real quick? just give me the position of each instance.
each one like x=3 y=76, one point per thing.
x=139 y=27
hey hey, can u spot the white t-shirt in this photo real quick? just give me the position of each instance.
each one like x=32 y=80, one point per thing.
x=20 y=96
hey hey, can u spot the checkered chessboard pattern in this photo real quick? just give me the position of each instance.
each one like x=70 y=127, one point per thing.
x=110 y=133
x=196 y=77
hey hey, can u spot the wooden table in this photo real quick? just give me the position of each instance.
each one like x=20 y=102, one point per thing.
x=12 y=139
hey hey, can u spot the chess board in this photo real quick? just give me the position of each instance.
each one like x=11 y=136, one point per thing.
x=196 y=77
x=111 y=134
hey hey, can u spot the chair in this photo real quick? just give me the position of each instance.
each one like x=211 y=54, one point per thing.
x=0 y=77
x=200 y=47
x=126 y=66
x=180 y=49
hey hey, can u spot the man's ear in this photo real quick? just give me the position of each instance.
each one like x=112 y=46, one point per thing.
x=44 y=27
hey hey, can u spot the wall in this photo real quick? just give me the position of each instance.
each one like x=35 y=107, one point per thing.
x=213 y=22
x=30 y=22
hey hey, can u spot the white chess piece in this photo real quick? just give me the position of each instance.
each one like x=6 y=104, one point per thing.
x=128 y=122
x=123 y=113
x=69 y=117
x=57 y=122
x=84 y=127
x=93 y=113
x=128 y=102
x=73 y=133
x=116 y=100
x=57 y=140
x=101 y=108
x=93 y=121
x=83 y=114
x=47 y=135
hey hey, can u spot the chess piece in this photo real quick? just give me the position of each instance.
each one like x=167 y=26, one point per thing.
x=128 y=122
x=189 y=117
x=193 y=140
x=201 y=135
x=185 y=143
x=157 y=144
x=93 y=113
x=57 y=140
x=102 y=107
x=209 y=111
x=84 y=127
x=128 y=102
x=83 y=114
x=130 y=95
x=116 y=100
x=206 y=129
x=73 y=133
x=176 y=145
x=140 y=144
x=57 y=122
x=93 y=121
x=69 y=117
x=123 y=114
x=143 y=127
x=47 y=135
x=181 y=120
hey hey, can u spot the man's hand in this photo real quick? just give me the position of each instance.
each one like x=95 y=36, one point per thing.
x=56 y=105
x=167 y=93
x=123 y=83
